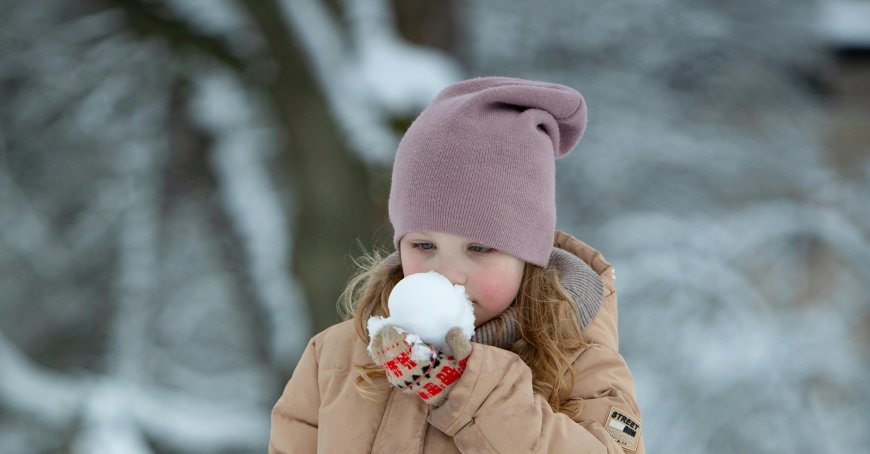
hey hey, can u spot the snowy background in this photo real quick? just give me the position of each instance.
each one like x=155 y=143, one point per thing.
x=183 y=185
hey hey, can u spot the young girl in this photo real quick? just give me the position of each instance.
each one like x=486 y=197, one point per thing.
x=473 y=198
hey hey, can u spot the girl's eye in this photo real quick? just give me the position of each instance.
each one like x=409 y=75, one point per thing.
x=476 y=248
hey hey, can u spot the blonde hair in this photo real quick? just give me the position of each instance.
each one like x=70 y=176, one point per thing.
x=546 y=318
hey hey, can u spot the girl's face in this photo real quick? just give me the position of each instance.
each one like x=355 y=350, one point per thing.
x=491 y=278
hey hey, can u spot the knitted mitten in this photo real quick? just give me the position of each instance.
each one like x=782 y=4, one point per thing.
x=416 y=366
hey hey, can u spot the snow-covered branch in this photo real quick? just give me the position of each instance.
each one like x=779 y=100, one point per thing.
x=242 y=152
x=25 y=388
x=376 y=76
x=119 y=413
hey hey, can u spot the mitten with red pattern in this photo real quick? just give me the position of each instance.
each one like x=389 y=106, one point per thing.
x=415 y=366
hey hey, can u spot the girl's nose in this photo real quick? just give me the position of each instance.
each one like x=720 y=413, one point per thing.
x=452 y=272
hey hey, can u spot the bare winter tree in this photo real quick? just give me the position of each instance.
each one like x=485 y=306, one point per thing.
x=182 y=182
x=181 y=185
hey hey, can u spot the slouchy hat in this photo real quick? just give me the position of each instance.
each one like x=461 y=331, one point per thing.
x=479 y=162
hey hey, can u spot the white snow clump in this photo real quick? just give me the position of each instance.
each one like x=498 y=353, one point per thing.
x=427 y=305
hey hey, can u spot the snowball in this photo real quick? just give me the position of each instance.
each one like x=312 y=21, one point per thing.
x=428 y=305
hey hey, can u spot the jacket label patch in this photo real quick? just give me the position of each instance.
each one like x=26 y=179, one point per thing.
x=623 y=428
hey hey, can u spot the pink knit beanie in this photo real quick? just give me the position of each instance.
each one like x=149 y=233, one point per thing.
x=479 y=162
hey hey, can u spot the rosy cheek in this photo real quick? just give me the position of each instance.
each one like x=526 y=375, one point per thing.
x=411 y=265
x=491 y=290
x=409 y=270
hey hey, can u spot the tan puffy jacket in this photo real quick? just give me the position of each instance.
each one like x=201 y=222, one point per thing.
x=491 y=409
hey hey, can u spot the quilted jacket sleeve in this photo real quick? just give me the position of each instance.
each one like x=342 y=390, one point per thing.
x=493 y=408
x=294 y=416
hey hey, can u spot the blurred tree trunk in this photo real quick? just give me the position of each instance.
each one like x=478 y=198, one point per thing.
x=430 y=24
x=333 y=204
x=847 y=137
